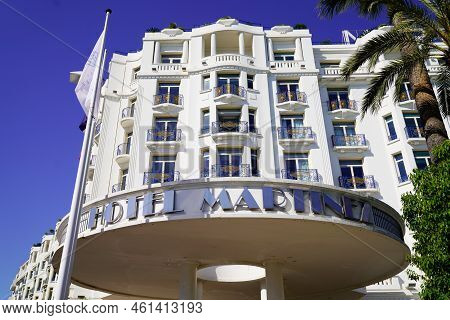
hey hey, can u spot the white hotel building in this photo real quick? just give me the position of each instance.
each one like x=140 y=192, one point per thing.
x=231 y=162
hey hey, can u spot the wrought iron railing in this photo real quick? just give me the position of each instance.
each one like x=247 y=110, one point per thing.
x=310 y=175
x=230 y=89
x=168 y=98
x=343 y=104
x=349 y=141
x=295 y=133
x=229 y=126
x=414 y=132
x=118 y=187
x=160 y=177
x=285 y=96
x=163 y=135
x=220 y=170
x=128 y=112
x=366 y=182
x=122 y=149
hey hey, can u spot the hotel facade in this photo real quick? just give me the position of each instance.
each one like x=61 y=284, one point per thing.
x=232 y=162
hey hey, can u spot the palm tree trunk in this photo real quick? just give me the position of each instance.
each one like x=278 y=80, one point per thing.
x=428 y=107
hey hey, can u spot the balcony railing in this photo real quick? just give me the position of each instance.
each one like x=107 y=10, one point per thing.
x=128 y=112
x=163 y=135
x=97 y=128
x=118 y=187
x=286 y=96
x=242 y=170
x=122 y=149
x=310 y=175
x=230 y=126
x=414 y=132
x=168 y=98
x=342 y=104
x=349 y=141
x=160 y=177
x=295 y=133
x=230 y=89
x=366 y=182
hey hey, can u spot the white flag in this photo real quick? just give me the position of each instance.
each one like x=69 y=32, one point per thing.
x=85 y=89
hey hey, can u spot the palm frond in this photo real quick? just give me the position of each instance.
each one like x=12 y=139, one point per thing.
x=369 y=8
x=389 y=41
x=378 y=87
x=443 y=90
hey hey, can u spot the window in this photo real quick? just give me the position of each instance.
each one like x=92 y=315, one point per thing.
x=294 y=164
x=128 y=139
x=43 y=265
x=283 y=56
x=254 y=162
x=50 y=294
x=169 y=88
x=205 y=163
x=352 y=174
x=400 y=167
x=291 y=127
x=414 y=126
x=135 y=72
x=171 y=58
x=224 y=79
x=206 y=83
x=288 y=86
x=205 y=121
x=422 y=158
x=229 y=162
x=392 y=135
x=39 y=285
x=252 y=121
x=405 y=92
x=165 y=129
x=338 y=99
x=163 y=169
x=250 y=81
x=54 y=277
x=229 y=120
x=330 y=64
x=123 y=179
x=344 y=128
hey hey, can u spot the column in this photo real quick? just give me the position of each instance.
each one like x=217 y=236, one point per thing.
x=298 y=55
x=184 y=58
x=241 y=44
x=263 y=289
x=270 y=48
x=157 y=53
x=199 y=290
x=188 y=280
x=274 y=280
x=213 y=44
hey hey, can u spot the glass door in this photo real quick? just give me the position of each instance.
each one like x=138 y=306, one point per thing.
x=163 y=169
x=165 y=129
x=230 y=161
x=296 y=166
x=290 y=127
x=352 y=174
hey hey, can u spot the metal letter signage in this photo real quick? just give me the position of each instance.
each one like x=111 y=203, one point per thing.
x=246 y=200
x=223 y=199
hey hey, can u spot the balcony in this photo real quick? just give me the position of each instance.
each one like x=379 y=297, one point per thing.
x=334 y=73
x=287 y=66
x=228 y=59
x=118 y=187
x=168 y=103
x=366 y=183
x=165 y=68
x=160 y=177
x=295 y=138
x=415 y=135
x=353 y=143
x=164 y=141
x=231 y=132
x=98 y=127
x=230 y=94
x=307 y=175
x=292 y=101
x=221 y=171
x=122 y=155
x=343 y=110
x=127 y=117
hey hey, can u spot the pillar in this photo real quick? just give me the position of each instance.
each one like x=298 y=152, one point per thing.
x=241 y=44
x=184 y=57
x=298 y=55
x=263 y=289
x=274 y=280
x=199 y=295
x=213 y=44
x=270 y=48
x=157 y=53
x=188 y=280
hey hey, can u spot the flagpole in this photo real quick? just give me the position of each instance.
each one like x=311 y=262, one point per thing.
x=70 y=243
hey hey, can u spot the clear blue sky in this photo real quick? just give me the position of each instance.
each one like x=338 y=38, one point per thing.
x=41 y=139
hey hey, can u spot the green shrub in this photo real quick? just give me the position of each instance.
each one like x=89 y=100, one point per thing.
x=426 y=211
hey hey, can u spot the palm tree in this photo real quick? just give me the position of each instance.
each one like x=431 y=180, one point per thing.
x=415 y=29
